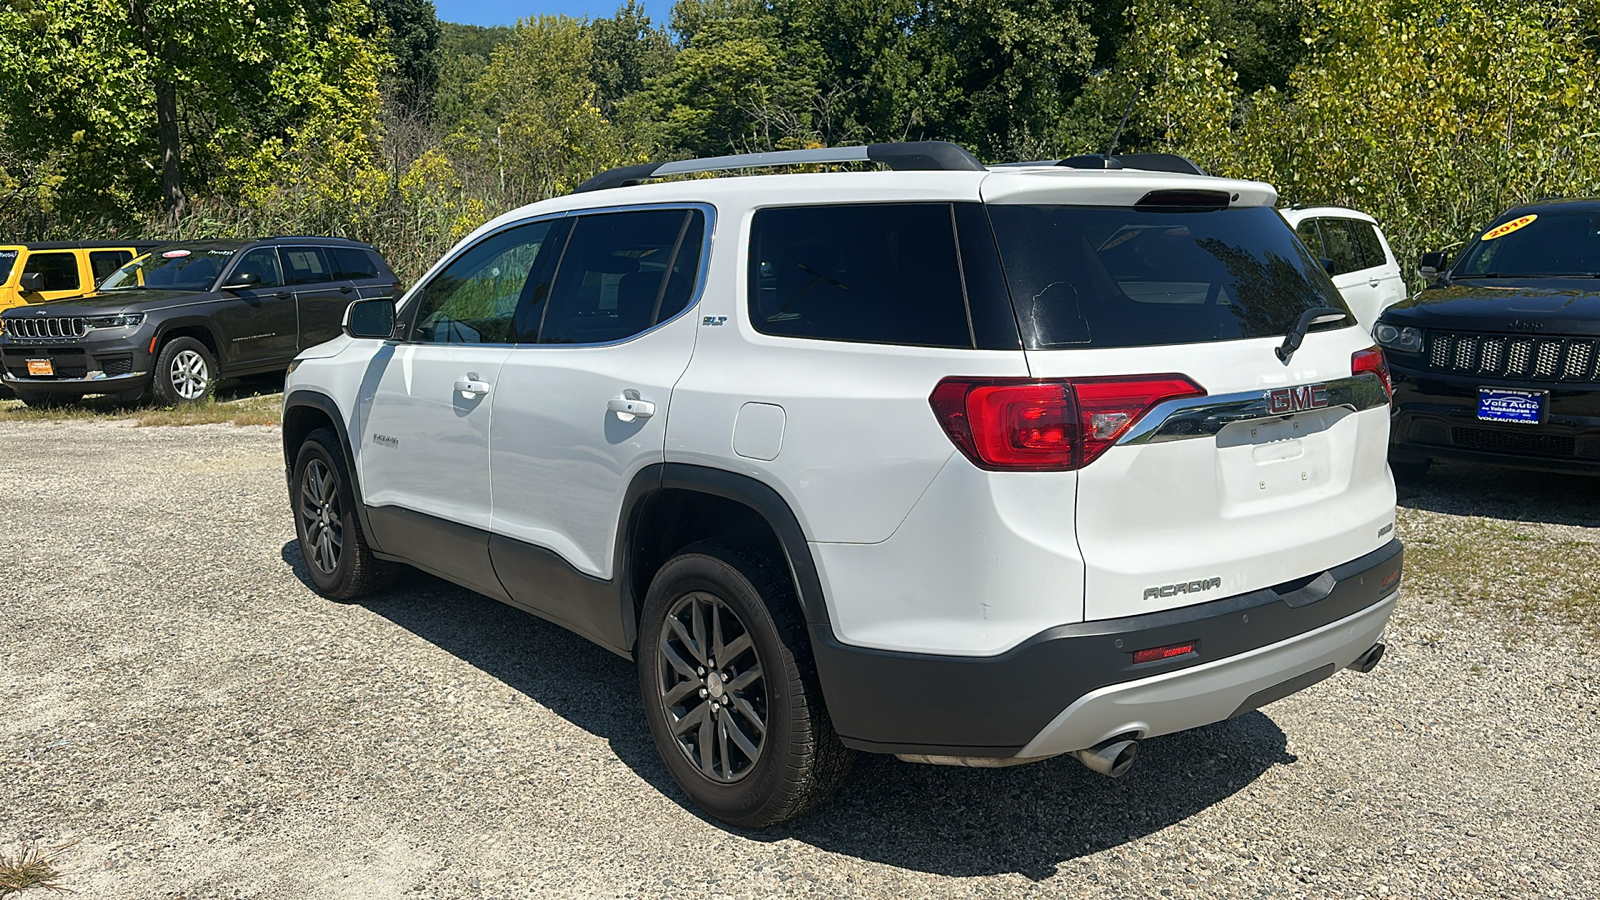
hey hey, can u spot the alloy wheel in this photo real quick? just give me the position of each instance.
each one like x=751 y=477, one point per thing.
x=711 y=687
x=320 y=517
x=189 y=374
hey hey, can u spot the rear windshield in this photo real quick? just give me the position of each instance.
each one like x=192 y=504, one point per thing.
x=1083 y=276
x=171 y=268
x=8 y=261
x=1547 y=245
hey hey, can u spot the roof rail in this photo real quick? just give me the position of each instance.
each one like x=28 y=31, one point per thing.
x=1148 y=162
x=937 y=156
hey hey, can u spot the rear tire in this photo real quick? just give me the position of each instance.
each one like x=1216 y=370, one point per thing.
x=338 y=560
x=1410 y=471
x=746 y=737
x=186 y=372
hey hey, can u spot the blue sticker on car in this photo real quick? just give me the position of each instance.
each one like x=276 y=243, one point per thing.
x=1506 y=405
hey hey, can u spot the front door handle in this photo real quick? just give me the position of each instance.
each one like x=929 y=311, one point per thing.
x=472 y=385
x=629 y=407
x=1372 y=282
x=283 y=295
x=345 y=289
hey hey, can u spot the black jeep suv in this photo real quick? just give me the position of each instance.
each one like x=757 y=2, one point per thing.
x=1498 y=360
x=183 y=315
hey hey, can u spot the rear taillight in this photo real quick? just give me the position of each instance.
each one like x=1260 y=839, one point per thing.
x=1047 y=425
x=1371 y=360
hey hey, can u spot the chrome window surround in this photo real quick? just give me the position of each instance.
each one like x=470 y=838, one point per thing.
x=1202 y=417
x=701 y=275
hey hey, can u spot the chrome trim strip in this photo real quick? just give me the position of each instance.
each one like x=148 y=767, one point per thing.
x=1203 y=417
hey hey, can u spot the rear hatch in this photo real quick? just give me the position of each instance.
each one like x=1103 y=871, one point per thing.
x=1270 y=472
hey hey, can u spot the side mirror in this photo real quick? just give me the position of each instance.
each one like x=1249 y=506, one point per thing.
x=31 y=282
x=1431 y=264
x=370 y=319
x=241 y=280
x=1327 y=265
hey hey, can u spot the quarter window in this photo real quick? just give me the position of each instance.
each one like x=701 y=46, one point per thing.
x=353 y=263
x=476 y=298
x=1351 y=244
x=60 y=270
x=621 y=273
x=1311 y=237
x=306 y=265
x=881 y=273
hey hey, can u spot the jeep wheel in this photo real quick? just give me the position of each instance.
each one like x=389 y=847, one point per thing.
x=186 y=372
x=730 y=689
x=338 y=561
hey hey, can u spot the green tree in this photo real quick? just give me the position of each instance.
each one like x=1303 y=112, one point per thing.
x=628 y=51
x=413 y=36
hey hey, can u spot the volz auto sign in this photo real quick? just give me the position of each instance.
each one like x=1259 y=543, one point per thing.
x=1282 y=401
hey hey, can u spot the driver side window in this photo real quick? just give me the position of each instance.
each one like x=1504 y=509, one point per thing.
x=473 y=300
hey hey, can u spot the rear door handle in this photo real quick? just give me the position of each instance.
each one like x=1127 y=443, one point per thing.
x=1373 y=282
x=472 y=385
x=283 y=295
x=629 y=407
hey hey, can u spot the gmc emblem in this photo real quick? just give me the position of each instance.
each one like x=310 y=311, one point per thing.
x=1282 y=401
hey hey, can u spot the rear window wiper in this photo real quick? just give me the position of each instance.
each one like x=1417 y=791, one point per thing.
x=1314 y=316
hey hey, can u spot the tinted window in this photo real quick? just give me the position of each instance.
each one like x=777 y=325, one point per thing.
x=1369 y=244
x=621 y=273
x=171 y=268
x=104 y=262
x=883 y=274
x=1308 y=234
x=1555 y=243
x=474 y=299
x=8 y=261
x=306 y=265
x=1119 y=277
x=1351 y=244
x=59 y=270
x=353 y=263
x=261 y=262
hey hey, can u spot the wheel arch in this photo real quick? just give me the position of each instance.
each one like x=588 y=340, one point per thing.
x=672 y=505
x=192 y=327
x=304 y=411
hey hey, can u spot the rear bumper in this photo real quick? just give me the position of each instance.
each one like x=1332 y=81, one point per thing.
x=1436 y=415
x=1064 y=688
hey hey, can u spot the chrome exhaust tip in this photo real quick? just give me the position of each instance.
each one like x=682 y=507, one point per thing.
x=1368 y=661
x=1110 y=758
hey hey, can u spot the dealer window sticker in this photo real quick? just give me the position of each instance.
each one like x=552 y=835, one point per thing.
x=1502 y=230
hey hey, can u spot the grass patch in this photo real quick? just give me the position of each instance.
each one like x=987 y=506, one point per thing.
x=232 y=407
x=34 y=867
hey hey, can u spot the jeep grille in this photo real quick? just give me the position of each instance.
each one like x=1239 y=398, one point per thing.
x=46 y=327
x=1515 y=356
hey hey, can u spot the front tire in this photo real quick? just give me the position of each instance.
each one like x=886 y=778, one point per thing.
x=730 y=688
x=186 y=372
x=338 y=560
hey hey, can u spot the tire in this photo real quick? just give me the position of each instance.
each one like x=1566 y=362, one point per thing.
x=41 y=400
x=1410 y=471
x=130 y=397
x=338 y=560
x=186 y=372
x=798 y=762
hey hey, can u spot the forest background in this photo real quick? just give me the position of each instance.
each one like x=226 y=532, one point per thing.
x=371 y=119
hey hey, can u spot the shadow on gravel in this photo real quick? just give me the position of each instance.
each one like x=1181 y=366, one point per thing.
x=1467 y=489
x=942 y=820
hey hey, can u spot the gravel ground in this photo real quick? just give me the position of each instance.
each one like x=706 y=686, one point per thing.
x=182 y=706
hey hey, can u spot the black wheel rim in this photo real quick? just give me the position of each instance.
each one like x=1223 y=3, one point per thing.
x=320 y=517
x=711 y=687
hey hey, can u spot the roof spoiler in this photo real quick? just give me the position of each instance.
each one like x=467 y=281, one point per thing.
x=923 y=156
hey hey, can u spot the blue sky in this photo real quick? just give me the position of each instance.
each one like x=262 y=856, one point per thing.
x=506 y=12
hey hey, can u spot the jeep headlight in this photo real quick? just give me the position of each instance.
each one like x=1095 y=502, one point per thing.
x=1405 y=340
x=125 y=320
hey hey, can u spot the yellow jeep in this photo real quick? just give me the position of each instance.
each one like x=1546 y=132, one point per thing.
x=34 y=273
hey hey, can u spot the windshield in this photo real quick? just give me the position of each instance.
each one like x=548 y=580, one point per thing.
x=1084 y=276
x=1542 y=245
x=8 y=260
x=171 y=268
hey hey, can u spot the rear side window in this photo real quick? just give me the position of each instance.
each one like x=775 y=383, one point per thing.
x=1085 y=276
x=104 y=262
x=622 y=273
x=1351 y=244
x=878 y=273
x=306 y=265
x=59 y=270
x=352 y=263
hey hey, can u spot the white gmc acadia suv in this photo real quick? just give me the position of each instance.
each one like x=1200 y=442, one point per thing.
x=972 y=466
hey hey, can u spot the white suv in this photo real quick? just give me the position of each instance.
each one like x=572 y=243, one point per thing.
x=970 y=466
x=1356 y=254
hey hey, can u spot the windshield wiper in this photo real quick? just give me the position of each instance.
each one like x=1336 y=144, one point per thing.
x=1297 y=334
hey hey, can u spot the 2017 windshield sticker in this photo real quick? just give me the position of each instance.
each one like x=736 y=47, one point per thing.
x=1507 y=228
x=175 y=254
